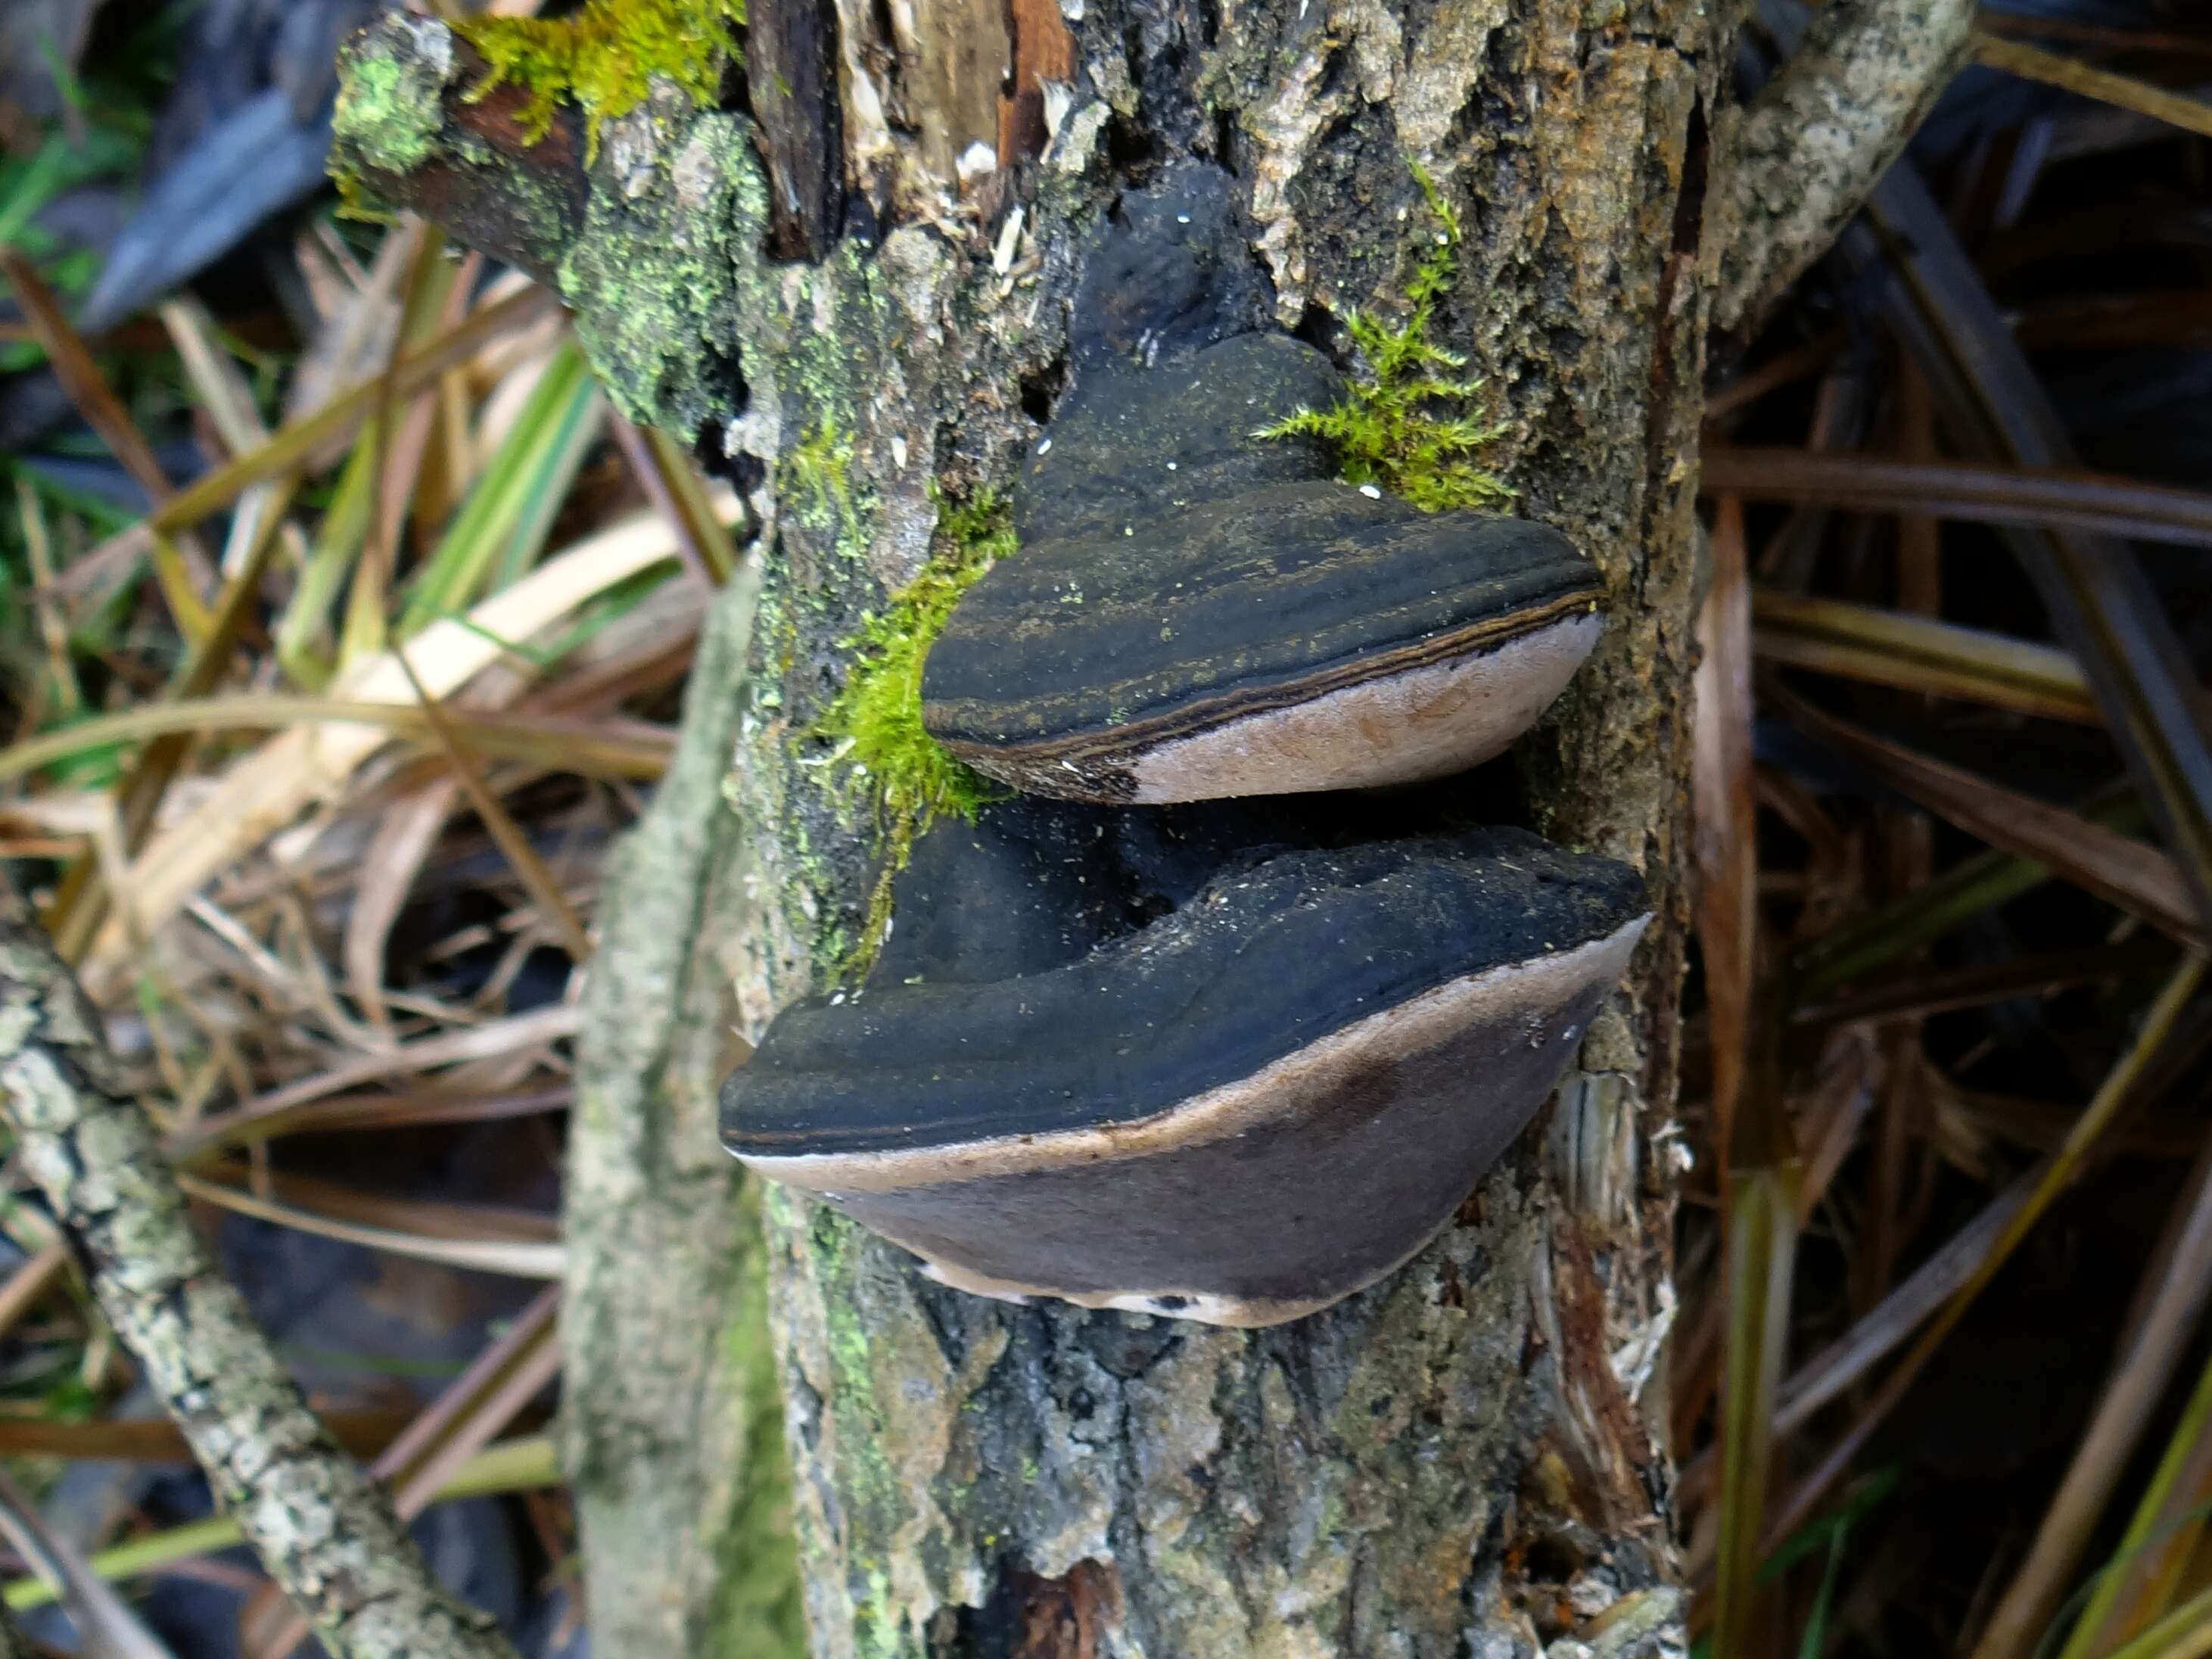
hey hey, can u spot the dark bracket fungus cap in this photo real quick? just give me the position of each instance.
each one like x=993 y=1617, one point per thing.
x=1200 y=612
x=1232 y=1088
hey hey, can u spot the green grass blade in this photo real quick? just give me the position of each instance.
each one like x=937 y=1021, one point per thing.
x=501 y=528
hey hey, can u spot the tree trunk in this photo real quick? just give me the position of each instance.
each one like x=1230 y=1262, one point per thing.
x=1463 y=1460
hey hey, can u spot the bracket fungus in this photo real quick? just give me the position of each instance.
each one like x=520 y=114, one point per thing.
x=1227 y=1058
x=1111 y=1061
x=1199 y=610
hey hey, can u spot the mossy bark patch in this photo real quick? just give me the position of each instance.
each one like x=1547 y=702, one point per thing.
x=892 y=768
x=659 y=273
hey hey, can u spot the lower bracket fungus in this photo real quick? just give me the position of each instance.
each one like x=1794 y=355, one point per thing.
x=1260 y=1100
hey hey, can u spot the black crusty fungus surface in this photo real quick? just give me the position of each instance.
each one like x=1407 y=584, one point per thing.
x=1060 y=967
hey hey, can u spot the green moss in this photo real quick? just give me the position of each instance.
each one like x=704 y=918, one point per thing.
x=886 y=759
x=603 y=55
x=1410 y=427
x=820 y=470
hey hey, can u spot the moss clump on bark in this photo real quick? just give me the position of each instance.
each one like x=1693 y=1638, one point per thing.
x=604 y=55
x=1387 y=432
x=889 y=762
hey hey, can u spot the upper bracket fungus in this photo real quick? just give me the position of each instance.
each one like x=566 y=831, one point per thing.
x=1199 y=609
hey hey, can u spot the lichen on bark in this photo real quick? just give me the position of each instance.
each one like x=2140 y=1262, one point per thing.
x=663 y=272
x=672 y=1419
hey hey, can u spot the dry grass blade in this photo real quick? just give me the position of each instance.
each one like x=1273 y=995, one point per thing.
x=420 y=1106
x=1919 y=993
x=1759 y=1174
x=1919 y=537
x=29 y=1282
x=211 y=635
x=1780 y=370
x=502 y=526
x=1724 y=842
x=514 y=1258
x=398 y=440
x=2139 y=1376
x=511 y=1466
x=2121 y=91
x=274 y=1113
x=2102 y=604
x=298 y=441
x=1896 y=930
x=1829 y=1115
x=459 y=1423
x=2184 y=1633
x=2131 y=874
x=1919 y=653
x=339 y=1201
x=2158 y=1025
x=403 y=839
x=1837 y=1367
x=103 y=412
x=265 y=792
x=1959 y=491
x=105 y=1622
x=2153 y=1559
x=1843 y=1362
x=221 y=390
x=2128 y=39
x=229 y=401
x=540 y=883
x=629 y=750
x=1761 y=1250
x=53 y=628
x=670 y=481
x=296 y=445
x=81 y=907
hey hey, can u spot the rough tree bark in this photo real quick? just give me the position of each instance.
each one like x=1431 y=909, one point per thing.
x=1462 y=1460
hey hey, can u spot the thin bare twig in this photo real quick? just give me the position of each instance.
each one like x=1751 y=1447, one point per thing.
x=1804 y=155
x=322 y=1530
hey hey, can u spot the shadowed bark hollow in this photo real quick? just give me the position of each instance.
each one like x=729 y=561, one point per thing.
x=1461 y=1460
